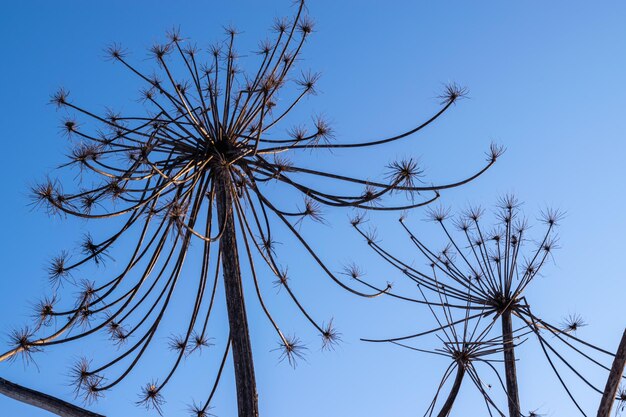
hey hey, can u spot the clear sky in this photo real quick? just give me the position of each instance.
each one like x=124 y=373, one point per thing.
x=547 y=80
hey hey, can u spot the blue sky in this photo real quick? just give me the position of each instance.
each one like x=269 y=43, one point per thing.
x=546 y=80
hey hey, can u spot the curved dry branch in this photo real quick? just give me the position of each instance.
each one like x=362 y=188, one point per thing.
x=43 y=401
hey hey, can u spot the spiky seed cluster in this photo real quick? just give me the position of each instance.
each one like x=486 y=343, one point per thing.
x=93 y=250
x=353 y=270
x=439 y=213
x=44 y=311
x=23 y=344
x=330 y=336
x=291 y=349
x=177 y=343
x=151 y=398
x=572 y=323
x=281 y=278
x=452 y=93
x=196 y=410
x=405 y=173
x=199 y=342
x=86 y=382
x=58 y=268
x=495 y=151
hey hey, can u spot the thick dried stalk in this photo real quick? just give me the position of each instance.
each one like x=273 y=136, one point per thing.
x=447 y=406
x=247 y=399
x=43 y=401
x=612 y=383
x=510 y=369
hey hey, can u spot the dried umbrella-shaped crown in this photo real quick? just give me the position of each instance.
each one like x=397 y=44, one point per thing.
x=483 y=273
x=192 y=168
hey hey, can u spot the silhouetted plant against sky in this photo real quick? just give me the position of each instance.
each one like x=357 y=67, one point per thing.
x=483 y=273
x=193 y=167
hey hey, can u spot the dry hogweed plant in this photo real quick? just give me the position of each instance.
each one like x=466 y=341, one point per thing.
x=483 y=273
x=194 y=168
